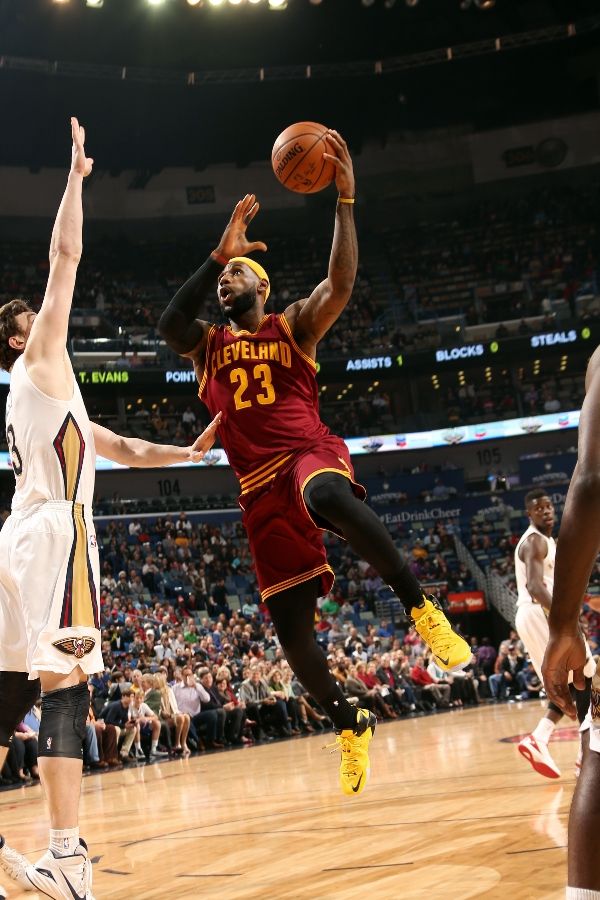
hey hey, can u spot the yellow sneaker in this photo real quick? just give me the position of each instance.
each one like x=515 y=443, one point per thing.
x=450 y=651
x=354 y=746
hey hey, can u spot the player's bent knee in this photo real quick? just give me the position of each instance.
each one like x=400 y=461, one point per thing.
x=328 y=493
x=17 y=695
x=64 y=717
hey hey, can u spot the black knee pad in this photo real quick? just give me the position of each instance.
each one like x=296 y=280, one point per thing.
x=582 y=699
x=325 y=494
x=17 y=695
x=64 y=717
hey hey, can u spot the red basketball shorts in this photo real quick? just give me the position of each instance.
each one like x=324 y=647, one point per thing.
x=285 y=541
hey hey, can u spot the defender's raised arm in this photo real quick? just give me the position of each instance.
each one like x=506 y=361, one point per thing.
x=48 y=337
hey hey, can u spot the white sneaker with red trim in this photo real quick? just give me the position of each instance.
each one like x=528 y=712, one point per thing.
x=537 y=753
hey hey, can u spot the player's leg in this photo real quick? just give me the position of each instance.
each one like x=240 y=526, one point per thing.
x=293 y=615
x=17 y=695
x=330 y=497
x=584 y=829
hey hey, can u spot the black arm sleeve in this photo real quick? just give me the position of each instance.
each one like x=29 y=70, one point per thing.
x=179 y=325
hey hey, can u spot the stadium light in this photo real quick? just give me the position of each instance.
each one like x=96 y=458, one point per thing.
x=60 y=1
x=155 y=2
x=277 y=4
x=216 y=2
x=485 y=4
x=235 y=2
x=95 y=4
x=194 y=2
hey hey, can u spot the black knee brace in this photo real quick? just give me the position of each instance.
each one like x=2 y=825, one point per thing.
x=64 y=716
x=582 y=699
x=17 y=695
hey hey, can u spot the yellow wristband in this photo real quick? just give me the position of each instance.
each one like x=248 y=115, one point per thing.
x=345 y=199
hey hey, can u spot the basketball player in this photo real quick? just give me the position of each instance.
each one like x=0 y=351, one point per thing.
x=578 y=544
x=534 y=570
x=296 y=477
x=49 y=566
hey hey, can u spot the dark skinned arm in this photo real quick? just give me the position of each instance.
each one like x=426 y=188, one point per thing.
x=179 y=326
x=578 y=543
x=311 y=318
x=533 y=553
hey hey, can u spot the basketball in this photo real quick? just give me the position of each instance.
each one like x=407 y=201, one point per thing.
x=297 y=158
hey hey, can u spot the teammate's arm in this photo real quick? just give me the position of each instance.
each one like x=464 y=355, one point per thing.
x=578 y=543
x=136 y=453
x=311 y=318
x=179 y=325
x=533 y=553
x=48 y=337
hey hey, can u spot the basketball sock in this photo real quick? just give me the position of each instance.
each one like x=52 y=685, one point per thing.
x=574 y=893
x=64 y=841
x=153 y=746
x=342 y=714
x=331 y=497
x=138 y=745
x=543 y=730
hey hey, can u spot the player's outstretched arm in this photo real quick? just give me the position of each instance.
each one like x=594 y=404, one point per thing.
x=136 y=453
x=48 y=337
x=578 y=543
x=311 y=318
x=179 y=326
x=533 y=553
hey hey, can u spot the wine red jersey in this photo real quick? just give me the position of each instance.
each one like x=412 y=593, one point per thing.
x=266 y=388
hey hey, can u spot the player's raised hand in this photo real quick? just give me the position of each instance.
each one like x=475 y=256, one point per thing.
x=344 y=170
x=234 y=241
x=202 y=444
x=565 y=653
x=80 y=163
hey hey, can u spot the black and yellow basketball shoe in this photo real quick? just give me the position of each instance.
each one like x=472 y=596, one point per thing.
x=450 y=651
x=354 y=747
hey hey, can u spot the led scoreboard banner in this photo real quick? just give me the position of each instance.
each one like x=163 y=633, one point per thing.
x=389 y=364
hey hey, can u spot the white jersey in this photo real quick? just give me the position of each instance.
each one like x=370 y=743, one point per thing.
x=51 y=444
x=548 y=569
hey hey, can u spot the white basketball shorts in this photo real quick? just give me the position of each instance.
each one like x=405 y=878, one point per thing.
x=532 y=627
x=49 y=599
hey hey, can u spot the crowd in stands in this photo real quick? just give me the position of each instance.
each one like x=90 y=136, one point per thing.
x=536 y=254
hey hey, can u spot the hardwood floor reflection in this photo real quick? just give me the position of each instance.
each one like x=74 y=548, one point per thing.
x=450 y=812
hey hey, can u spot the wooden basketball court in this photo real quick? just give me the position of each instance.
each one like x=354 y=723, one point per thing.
x=450 y=812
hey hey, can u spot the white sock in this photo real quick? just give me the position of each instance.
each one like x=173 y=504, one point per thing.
x=64 y=841
x=154 y=746
x=138 y=746
x=581 y=894
x=543 y=731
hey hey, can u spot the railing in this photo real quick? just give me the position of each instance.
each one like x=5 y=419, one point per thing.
x=497 y=593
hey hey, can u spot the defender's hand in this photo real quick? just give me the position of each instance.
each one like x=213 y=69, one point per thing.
x=203 y=443
x=234 y=241
x=564 y=653
x=344 y=174
x=80 y=163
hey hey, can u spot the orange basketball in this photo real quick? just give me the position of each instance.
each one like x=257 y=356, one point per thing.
x=297 y=158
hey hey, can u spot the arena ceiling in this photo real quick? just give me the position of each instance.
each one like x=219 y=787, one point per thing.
x=181 y=85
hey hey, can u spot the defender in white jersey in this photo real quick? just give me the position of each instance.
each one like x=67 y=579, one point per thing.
x=534 y=570
x=49 y=568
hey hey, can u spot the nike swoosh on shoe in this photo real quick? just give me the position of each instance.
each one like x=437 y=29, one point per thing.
x=442 y=660
x=356 y=786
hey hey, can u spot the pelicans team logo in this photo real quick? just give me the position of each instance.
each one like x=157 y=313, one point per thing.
x=74 y=646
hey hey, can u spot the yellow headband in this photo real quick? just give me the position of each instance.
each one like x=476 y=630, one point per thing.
x=256 y=268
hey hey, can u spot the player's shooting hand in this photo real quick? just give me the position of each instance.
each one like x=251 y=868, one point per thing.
x=80 y=163
x=203 y=443
x=564 y=653
x=344 y=171
x=234 y=241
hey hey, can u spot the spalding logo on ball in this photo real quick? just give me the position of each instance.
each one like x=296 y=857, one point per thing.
x=297 y=158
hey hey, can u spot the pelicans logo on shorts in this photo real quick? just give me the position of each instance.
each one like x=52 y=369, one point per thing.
x=74 y=646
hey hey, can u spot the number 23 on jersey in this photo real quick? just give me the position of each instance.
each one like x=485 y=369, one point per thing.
x=266 y=392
